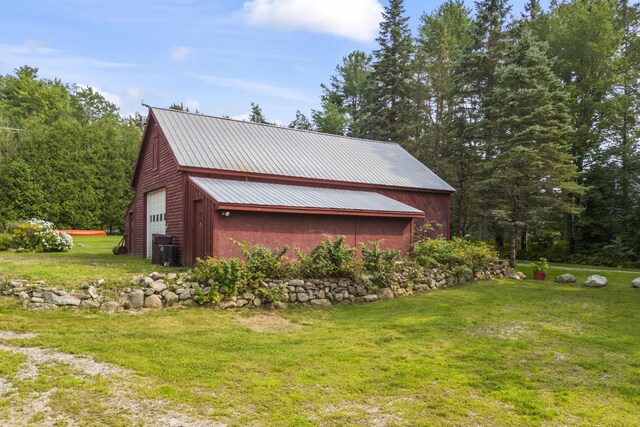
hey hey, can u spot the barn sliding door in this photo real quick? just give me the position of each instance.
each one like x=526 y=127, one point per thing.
x=156 y=216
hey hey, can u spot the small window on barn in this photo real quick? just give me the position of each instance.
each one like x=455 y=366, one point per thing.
x=155 y=152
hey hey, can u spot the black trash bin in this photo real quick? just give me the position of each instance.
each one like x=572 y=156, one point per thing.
x=158 y=240
x=169 y=255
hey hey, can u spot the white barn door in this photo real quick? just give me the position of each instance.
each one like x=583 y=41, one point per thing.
x=156 y=216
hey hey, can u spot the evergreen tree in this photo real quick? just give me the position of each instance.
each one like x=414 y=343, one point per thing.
x=442 y=37
x=474 y=85
x=178 y=107
x=72 y=158
x=21 y=195
x=389 y=112
x=330 y=119
x=345 y=95
x=530 y=168
x=301 y=122
x=256 y=114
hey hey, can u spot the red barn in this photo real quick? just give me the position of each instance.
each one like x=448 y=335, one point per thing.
x=208 y=181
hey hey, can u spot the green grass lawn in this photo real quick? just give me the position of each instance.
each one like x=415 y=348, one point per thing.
x=521 y=264
x=89 y=260
x=485 y=353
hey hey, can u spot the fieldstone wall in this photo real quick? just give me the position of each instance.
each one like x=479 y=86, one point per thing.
x=157 y=291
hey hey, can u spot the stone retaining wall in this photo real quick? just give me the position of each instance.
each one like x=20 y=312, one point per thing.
x=158 y=290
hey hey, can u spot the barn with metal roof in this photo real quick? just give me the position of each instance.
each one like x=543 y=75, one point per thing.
x=204 y=183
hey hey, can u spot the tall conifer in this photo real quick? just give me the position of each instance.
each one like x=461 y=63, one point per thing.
x=389 y=108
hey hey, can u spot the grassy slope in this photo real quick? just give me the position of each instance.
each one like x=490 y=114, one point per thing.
x=497 y=353
x=91 y=261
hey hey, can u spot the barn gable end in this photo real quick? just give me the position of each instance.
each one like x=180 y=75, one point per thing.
x=156 y=168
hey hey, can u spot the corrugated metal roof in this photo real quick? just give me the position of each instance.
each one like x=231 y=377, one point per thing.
x=216 y=143
x=292 y=196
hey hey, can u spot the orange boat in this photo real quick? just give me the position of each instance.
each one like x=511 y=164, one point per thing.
x=85 y=232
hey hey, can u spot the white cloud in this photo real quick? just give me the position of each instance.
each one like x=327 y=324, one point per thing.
x=253 y=87
x=180 y=53
x=192 y=104
x=38 y=47
x=353 y=19
x=134 y=92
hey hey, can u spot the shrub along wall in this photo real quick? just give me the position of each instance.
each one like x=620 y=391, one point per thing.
x=329 y=274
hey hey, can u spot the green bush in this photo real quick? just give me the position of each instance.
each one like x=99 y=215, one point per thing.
x=263 y=263
x=268 y=295
x=328 y=259
x=5 y=241
x=202 y=297
x=37 y=235
x=335 y=259
x=440 y=252
x=380 y=263
x=225 y=276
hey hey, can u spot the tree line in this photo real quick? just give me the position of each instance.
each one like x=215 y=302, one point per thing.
x=532 y=118
x=66 y=155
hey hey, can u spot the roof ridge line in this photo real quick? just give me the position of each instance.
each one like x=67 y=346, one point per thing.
x=276 y=126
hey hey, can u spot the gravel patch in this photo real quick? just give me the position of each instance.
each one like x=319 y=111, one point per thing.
x=38 y=356
x=121 y=400
x=8 y=335
x=5 y=387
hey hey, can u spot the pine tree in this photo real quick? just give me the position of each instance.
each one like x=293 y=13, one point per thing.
x=530 y=169
x=389 y=110
x=345 y=96
x=256 y=114
x=474 y=84
x=300 y=122
x=178 y=107
x=330 y=119
x=442 y=37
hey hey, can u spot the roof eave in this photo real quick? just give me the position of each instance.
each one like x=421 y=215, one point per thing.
x=317 y=211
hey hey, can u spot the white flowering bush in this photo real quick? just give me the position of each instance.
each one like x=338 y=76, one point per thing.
x=37 y=235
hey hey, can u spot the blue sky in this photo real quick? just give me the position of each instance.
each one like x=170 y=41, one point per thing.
x=216 y=56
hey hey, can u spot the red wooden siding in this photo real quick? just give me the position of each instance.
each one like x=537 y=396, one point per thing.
x=194 y=194
x=146 y=180
x=434 y=205
x=306 y=231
